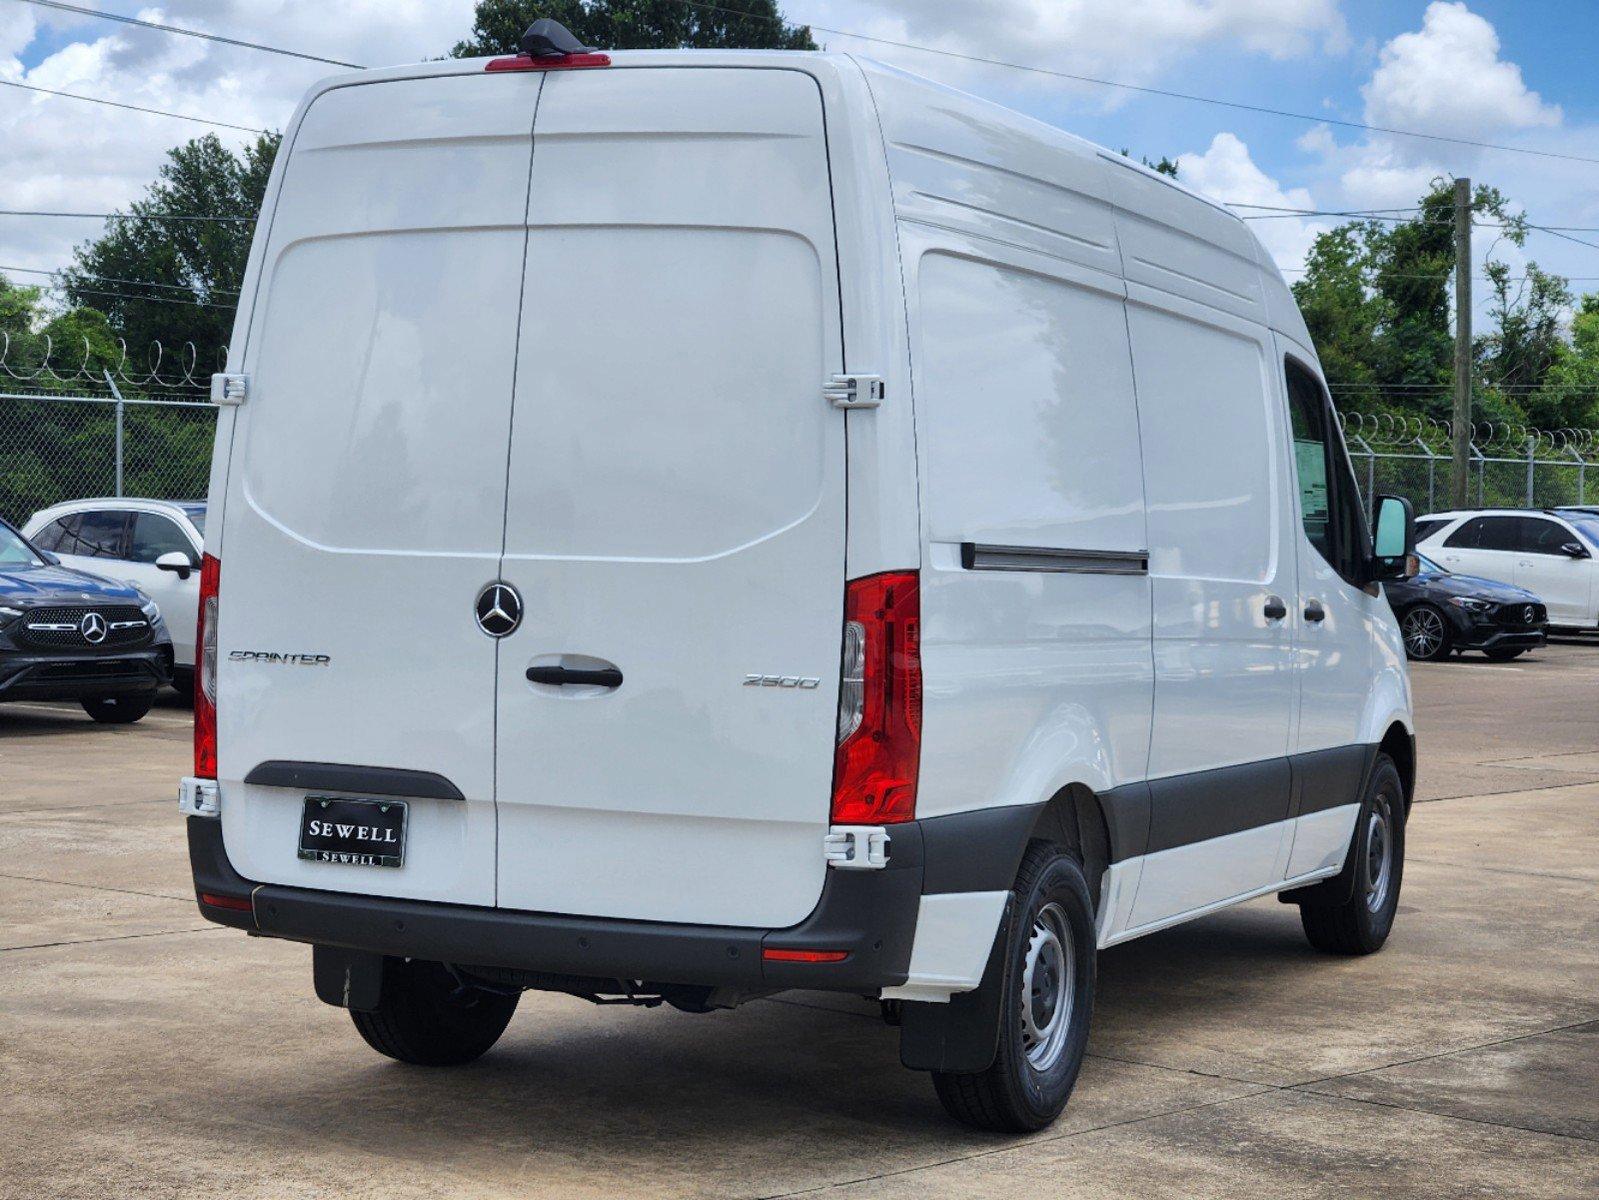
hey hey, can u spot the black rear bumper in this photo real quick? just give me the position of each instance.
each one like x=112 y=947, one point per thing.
x=870 y=915
x=26 y=676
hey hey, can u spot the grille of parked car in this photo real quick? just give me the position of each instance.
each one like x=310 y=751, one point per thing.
x=84 y=627
x=1520 y=615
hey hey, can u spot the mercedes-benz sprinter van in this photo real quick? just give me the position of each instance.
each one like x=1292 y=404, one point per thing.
x=689 y=525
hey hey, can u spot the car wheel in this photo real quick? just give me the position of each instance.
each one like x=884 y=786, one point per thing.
x=1048 y=999
x=183 y=684
x=1360 y=923
x=1426 y=632
x=1506 y=654
x=118 y=710
x=428 y=1018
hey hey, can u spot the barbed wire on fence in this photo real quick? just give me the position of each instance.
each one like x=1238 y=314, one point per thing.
x=1392 y=430
x=165 y=370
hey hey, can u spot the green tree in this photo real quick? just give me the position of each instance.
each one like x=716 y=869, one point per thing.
x=176 y=281
x=498 y=25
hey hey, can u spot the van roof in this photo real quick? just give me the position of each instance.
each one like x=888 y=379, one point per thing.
x=1203 y=219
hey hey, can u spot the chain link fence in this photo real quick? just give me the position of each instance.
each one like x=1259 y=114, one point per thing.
x=58 y=447
x=1508 y=466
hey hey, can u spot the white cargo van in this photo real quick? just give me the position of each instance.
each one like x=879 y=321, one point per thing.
x=691 y=525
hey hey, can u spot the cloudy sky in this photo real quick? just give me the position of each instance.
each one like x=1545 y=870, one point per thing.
x=1503 y=71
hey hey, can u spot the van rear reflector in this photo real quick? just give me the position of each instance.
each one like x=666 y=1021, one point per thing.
x=773 y=954
x=560 y=62
x=236 y=903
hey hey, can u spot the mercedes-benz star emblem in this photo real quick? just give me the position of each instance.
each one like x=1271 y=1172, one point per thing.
x=1528 y=614
x=92 y=627
x=499 y=609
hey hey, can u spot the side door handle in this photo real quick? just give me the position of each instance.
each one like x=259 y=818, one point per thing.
x=561 y=676
x=1276 y=610
x=1314 y=611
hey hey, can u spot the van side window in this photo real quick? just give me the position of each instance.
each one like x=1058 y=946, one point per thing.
x=1329 y=501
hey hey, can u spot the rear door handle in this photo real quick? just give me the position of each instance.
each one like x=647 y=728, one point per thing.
x=1314 y=611
x=1276 y=610
x=561 y=676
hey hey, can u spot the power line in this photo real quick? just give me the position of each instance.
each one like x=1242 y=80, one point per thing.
x=57 y=287
x=159 y=112
x=1169 y=94
x=178 y=287
x=32 y=212
x=194 y=33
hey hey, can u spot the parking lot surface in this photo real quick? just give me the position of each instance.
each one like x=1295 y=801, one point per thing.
x=146 y=1053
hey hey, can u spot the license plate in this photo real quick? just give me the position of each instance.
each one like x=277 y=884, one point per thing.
x=362 y=833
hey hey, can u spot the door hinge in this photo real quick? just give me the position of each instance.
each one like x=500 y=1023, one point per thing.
x=855 y=391
x=229 y=389
x=856 y=847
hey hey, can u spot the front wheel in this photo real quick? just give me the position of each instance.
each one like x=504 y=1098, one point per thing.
x=428 y=1017
x=1361 y=923
x=1048 y=999
x=1426 y=633
x=118 y=710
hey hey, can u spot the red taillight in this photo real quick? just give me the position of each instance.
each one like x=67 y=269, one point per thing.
x=880 y=702
x=236 y=903
x=772 y=954
x=205 y=670
x=554 y=62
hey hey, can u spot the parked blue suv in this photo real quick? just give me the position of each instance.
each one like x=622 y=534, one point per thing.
x=70 y=635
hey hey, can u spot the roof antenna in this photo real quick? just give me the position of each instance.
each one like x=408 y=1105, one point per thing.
x=550 y=39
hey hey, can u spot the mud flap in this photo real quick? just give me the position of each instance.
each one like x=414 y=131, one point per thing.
x=350 y=979
x=962 y=1035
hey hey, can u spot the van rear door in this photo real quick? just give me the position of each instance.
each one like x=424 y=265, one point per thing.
x=366 y=494
x=676 y=504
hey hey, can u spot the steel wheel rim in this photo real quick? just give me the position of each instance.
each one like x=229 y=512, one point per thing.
x=1049 y=988
x=1379 y=855
x=1424 y=632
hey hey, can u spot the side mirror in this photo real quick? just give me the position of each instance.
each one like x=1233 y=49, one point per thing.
x=177 y=562
x=51 y=557
x=1574 y=550
x=1393 y=528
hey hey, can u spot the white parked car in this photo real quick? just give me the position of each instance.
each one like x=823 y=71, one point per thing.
x=1548 y=552
x=153 y=544
x=801 y=527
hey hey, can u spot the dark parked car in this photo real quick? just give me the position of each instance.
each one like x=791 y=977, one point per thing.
x=70 y=635
x=1439 y=612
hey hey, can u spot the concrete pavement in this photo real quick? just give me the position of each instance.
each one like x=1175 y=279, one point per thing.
x=146 y=1053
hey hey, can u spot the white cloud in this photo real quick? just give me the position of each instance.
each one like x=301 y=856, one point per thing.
x=1226 y=172
x=1448 y=78
x=1130 y=40
x=71 y=155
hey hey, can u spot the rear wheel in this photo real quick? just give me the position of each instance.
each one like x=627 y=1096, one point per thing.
x=1361 y=924
x=1049 y=997
x=427 y=1017
x=1505 y=654
x=1426 y=632
x=118 y=710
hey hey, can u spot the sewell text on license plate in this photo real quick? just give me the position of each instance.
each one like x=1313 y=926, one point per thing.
x=362 y=833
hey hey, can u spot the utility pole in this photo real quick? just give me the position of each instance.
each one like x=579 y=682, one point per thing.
x=1462 y=422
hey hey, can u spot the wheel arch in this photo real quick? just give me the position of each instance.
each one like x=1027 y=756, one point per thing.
x=1399 y=744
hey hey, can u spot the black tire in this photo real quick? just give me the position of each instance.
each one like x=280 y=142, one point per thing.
x=429 y=1020
x=118 y=710
x=183 y=684
x=1427 y=633
x=1052 y=916
x=1361 y=923
x=1505 y=654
